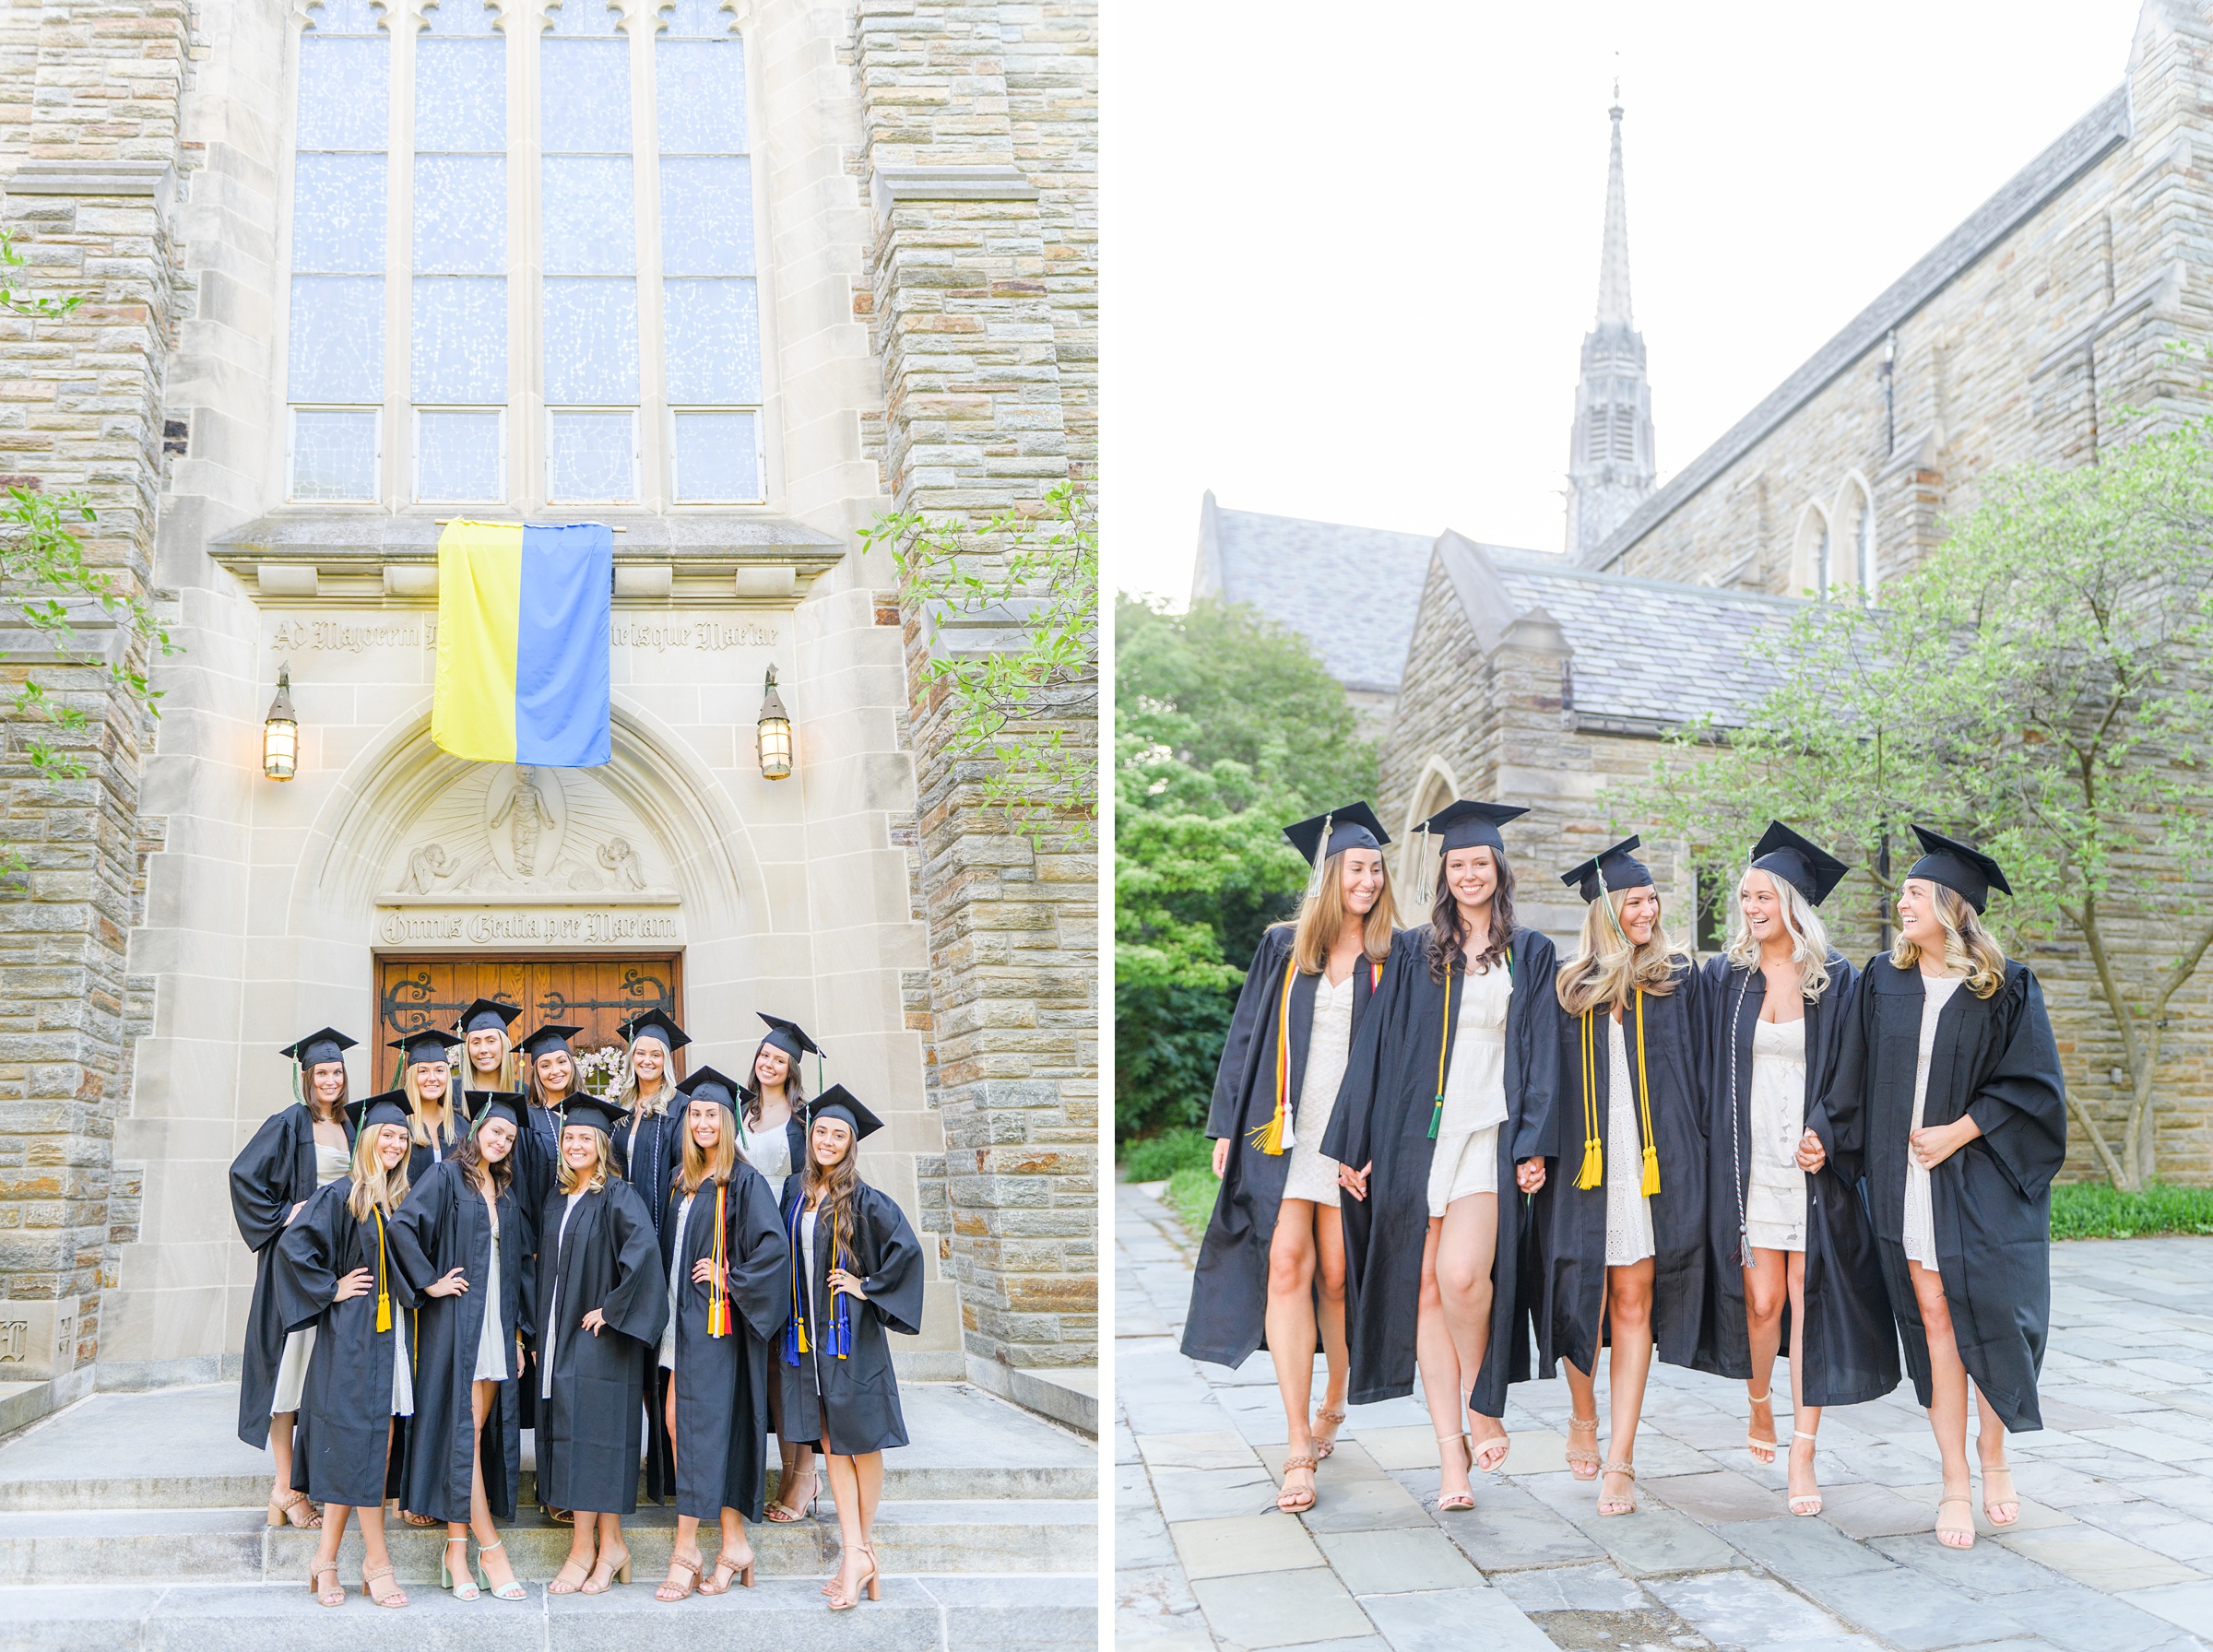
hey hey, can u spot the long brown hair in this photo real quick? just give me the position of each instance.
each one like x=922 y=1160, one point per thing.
x=1606 y=969
x=1321 y=917
x=304 y=1088
x=697 y=1168
x=794 y=1092
x=836 y=1189
x=474 y=1164
x=538 y=1098
x=1448 y=934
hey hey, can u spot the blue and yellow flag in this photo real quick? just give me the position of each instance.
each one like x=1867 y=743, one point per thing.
x=522 y=642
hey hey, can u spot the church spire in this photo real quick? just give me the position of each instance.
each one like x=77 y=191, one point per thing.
x=1611 y=468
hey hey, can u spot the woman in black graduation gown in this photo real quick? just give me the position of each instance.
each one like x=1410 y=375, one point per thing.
x=297 y=1150
x=649 y=1141
x=728 y=1265
x=856 y=1270
x=1626 y=1257
x=462 y=1244
x=427 y=1076
x=1442 y=1129
x=772 y=1138
x=549 y=1077
x=600 y=1301
x=1789 y=1254
x=335 y=1271
x=1949 y=1096
x=1271 y=1269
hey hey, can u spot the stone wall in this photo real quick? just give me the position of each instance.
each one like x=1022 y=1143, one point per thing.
x=979 y=151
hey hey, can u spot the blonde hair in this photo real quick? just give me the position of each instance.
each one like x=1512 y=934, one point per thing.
x=1321 y=917
x=1606 y=969
x=631 y=1099
x=697 y=1167
x=374 y=1186
x=509 y=1077
x=575 y=1181
x=415 y=1127
x=1809 y=936
x=1969 y=949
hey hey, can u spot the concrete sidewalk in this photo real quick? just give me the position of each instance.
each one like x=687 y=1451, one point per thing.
x=2113 y=1551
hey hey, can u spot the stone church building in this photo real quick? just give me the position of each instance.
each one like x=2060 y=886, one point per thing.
x=738 y=279
x=1547 y=679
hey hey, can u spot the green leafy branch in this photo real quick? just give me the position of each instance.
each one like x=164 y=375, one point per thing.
x=30 y=306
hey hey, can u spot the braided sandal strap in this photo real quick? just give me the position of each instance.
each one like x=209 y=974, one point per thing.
x=1324 y=1414
x=1627 y=1469
x=1300 y=1462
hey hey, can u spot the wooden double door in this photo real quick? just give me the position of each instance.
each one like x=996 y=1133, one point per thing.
x=597 y=994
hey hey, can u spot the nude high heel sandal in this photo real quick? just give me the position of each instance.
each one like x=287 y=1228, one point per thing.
x=1325 y=1444
x=1582 y=1464
x=1456 y=1501
x=285 y=1511
x=1995 y=1498
x=1619 y=1505
x=333 y=1595
x=868 y=1584
x=1763 y=1451
x=1805 y=1504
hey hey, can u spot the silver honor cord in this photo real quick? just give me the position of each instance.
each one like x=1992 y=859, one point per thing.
x=1736 y=1161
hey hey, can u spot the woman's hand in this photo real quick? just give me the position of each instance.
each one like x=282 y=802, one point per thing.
x=1529 y=1176
x=847 y=1284
x=453 y=1284
x=704 y=1273
x=1220 y=1156
x=1932 y=1144
x=294 y=1211
x=595 y=1322
x=1812 y=1155
x=360 y=1282
x=1354 y=1182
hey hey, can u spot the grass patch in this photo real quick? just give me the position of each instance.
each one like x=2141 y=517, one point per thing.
x=2097 y=1211
x=1191 y=1196
x=1157 y=1158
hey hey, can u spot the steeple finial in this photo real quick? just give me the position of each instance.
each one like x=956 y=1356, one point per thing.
x=1614 y=256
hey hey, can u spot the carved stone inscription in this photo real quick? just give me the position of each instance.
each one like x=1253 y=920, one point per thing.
x=527 y=927
x=664 y=633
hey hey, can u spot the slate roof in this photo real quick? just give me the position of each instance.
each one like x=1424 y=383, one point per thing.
x=1647 y=653
x=1302 y=574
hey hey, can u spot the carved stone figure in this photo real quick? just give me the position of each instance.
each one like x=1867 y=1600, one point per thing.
x=530 y=813
x=619 y=857
x=425 y=866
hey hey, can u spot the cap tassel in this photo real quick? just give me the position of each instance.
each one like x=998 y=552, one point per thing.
x=1321 y=858
x=1421 y=867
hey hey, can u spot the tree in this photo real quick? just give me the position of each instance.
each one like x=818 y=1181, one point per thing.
x=2038 y=685
x=1227 y=728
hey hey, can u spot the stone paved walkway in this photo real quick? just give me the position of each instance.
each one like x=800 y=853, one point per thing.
x=2113 y=1551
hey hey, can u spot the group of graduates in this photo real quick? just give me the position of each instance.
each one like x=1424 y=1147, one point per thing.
x=1443 y=1146
x=660 y=1278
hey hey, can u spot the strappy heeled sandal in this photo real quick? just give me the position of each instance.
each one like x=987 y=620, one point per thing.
x=1945 y=1534
x=784 y=1513
x=1619 y=1505
x=1453 y=1503
x=1583 y=1465
x=1482 y=1454
x=285 y=1511
x=560 y=1585
x=1804 y=1503
x=562 y=1517
x=717 y=1583
x=1298 y=1500
x=678 y=1562
x=615 y=1574
x=447 y=1578
x=2011 y=1498
x=418 y=1519
x=1325 y=1444
x=399 y=1596
x=333 y=1595
x=868 y=1584
x=511 y=1589
x=1753 y=1441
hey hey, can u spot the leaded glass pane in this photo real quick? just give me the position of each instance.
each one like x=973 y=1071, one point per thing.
x=717 y=456
x=583 y=17
x=334 y=453
x=695 y=20
x=584 y=96
x=714 y=341
x=457 y=456
x=342 y=16
x=591 y=459
x=459 y=17
x=339 y=214
x=337 y=339
x=345 y=92
x=706 y=217
x=460 y=349
x=461 y=214
x=460 y=94
x=591 y=340
x=699 y=90
x=585 y=206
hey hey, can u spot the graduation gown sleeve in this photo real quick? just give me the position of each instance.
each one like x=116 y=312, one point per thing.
x=637 y=1304
x=2021 y=1105
x=761 y=1259
x=893 y=1284
x=1244 y=1023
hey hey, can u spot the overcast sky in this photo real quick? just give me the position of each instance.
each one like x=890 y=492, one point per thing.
x=1351 y=252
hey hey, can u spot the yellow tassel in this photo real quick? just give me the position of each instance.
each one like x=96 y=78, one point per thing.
x=1644 y=1098
x=1652 y=1172
x=1594 y=1161
x=1594 y=1165
x=384 y=1292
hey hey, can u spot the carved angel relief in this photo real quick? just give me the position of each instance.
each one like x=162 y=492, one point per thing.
x=529 y=831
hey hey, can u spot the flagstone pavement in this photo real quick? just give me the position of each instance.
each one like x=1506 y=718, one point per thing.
x=2113 y=1551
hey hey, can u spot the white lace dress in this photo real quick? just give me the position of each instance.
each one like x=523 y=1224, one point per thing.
x=1628 y=1213
x=1775 y=1189
x=1313 y=1174
x=1465 y=1160
x=1920 y=1215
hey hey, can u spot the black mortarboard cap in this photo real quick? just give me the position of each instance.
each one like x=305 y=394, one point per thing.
x=496 y=1104
x=1803 y=864
x=371 y=1112
x=487 y=1014
x=1961 y=868
x=1466 y=824
x=545 y=1040
x=655 y=1023
x=837 y=1102
x=1609 y=870
x=329 y=1044
x=1353 y=826
x=425 y=1044
x=787 y=1037
x=597 y=1111
x=708 y=1085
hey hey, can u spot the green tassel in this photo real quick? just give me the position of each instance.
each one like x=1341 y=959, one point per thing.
x=1436 y=1114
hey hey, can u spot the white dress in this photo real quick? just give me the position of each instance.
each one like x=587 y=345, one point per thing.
x=1775 y=1190
x=676 y=1273
x=1920 y=1215
x=1628 y=1213
x=545 y=1361
x=768 y=1152
x=491 y=1341
x=1313 y=1174
x=331 y=1163
x=1465 y=1160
